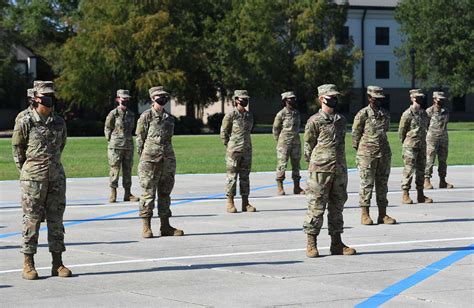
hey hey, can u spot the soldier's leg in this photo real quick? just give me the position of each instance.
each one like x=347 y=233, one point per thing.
x=317 y=195
x=231 y=177
x=409 y=161
x=148 y=183
x=442 y=159
x=367 y=169
x=33 y=198
x=245 y=165
x=381 y=189
x=55 y=206
x=166 y=175
x=127 y=163
x=115 y=160
x=295 y=156
x=282 y=161
x=420 y=164
x=336 y=200
x=431 y=150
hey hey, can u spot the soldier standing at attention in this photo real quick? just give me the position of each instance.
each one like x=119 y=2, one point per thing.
x=324 y=150
x=286 y=130
x=235 y=134
x=437 y=141
x=157 y=166
x=369 y=138
x=118 y=130
x=412 y=133
x=38 y=140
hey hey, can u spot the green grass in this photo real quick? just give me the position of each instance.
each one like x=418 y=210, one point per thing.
x=87 y=157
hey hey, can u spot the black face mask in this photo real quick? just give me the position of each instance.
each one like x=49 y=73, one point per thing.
x=47 y=101
x=243 y=102
x=162 y=100
x=421 y=100
x=331 y=102
x=291 y=102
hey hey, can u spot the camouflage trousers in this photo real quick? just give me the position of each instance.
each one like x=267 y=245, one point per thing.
x=43 y=199
x=156 y=178
x=285 y=152
x=439 y=148
x=415 y=161
x=325 y=189
x=373 y=171
x=238 y=165
x=120 y=158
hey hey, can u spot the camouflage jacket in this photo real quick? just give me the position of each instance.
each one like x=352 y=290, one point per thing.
x=369 y=132
x=286 y=127
x=22 y=113
x=324 y=147
x=412 y=128
x=37 y=147
x=154 y=132
x=118 y=129
x=438 y=127
x=235 y=131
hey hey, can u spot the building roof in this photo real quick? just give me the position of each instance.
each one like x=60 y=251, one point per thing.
x=391 y=4
x=22 y=53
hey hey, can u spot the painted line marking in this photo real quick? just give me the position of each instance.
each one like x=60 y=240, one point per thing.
x=395 y=289
x=246 y=253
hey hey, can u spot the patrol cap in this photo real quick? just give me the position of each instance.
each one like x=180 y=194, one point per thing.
x=30 y=93
x=416 y=93
x=375 y=92
x=327 y=90
x=43 y=87
x=160 y=90
x=439 y=95
x=289 y=94
x=123 y=93
x=240 y=94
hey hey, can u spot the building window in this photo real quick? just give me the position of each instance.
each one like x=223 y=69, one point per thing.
x=382 y=69
x=386 y=102
x=459 y=103
x=382 y=36
x=342 y=38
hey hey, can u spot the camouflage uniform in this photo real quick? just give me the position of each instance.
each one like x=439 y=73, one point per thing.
x=369 y=138
x=235 y=134
x=437 y=140
x=30 y=94
x=118 y=130
x=37 y=147
x=286 y=127
x=412 y=133
x=157 y=166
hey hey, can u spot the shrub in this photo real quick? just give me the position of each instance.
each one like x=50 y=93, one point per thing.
x=78 y=127
x=187 y=125
x=215 y=121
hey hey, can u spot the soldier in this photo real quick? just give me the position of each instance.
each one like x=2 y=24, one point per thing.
x=30 y=96
x=157 y=166
x=38 y=140
x=369 y=138
x=437 y=141
x=412 y=133
x=235 y=134
x=324 y=150
x=286 y=128
x=118 y=130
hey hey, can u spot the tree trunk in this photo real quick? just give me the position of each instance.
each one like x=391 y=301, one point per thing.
x=190 y=110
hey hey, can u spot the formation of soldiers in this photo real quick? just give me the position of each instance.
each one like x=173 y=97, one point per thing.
x=40 y=136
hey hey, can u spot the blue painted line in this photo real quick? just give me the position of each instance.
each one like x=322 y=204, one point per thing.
x=403 y=285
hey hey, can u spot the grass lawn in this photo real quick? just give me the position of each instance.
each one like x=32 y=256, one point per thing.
x=87 y=157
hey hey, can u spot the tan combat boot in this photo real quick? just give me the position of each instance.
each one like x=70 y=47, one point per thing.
x=146 y=232
x=246 y=206
x=297 y=190
x=444 y=184
x=280 y=190
x=422 y=198
x=338 y=247
x=384 y=218
x=129 y=197
x=311 y=247
x=167 y=230
x=29 y=271
x=113 y=195
x=365 y=217
x=230 y=205
x=406 y=197
x=58 y=268
x=427 y=184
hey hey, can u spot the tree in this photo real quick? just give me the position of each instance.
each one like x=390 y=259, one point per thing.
x=442 y=35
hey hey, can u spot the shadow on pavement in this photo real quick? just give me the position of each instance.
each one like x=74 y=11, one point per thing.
x=415 y=250
x=74 y=244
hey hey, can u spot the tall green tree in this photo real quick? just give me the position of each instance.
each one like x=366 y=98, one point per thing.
x=441 y=32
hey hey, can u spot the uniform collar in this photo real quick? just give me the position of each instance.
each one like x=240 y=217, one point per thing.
x=330 y=117
x=37 y=117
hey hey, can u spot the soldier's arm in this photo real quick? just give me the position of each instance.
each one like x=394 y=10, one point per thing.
x=311 y=133
x=109 y=125
x=141 y=132
x=358 y=129
x=387 y=122
x=226 y=128
x=277 y=126
x=19 y=143
x=403 y=127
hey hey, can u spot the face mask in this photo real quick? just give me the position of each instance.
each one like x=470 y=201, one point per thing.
x=162 y=100
x=243 y=102
x=421 y=101
x=46 y=101
x=291 y=102
x=378 y=102
x=331 y=102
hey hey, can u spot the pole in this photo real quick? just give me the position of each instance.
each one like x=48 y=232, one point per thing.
x=412 y=55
